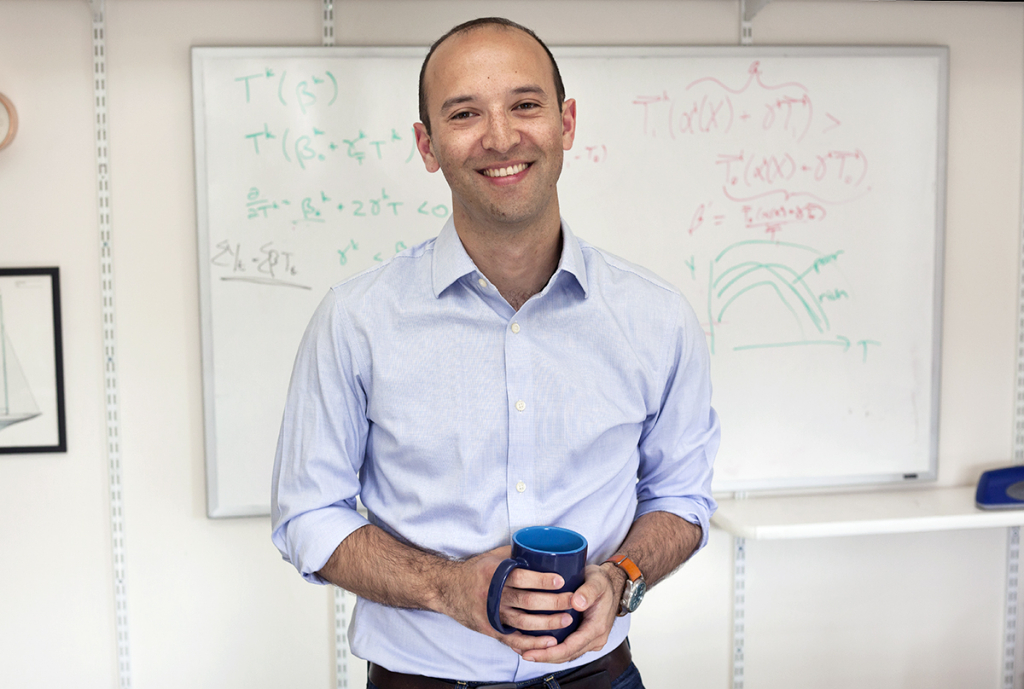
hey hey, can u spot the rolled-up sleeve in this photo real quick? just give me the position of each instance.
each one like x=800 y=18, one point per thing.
x=679 y=443
x=321 y=445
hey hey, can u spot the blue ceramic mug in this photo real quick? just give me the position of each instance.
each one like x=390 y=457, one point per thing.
x=541 y=549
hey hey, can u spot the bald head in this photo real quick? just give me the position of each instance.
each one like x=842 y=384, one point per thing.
x=464 y=28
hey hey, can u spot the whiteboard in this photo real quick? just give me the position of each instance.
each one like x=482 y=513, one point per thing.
x=795 y=195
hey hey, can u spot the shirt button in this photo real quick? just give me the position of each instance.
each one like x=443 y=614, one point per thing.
x=521 y=405
x=515 y=327
x=482 y=283
x=521 y=487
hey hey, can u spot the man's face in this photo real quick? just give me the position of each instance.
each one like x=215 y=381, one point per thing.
x=497 y=132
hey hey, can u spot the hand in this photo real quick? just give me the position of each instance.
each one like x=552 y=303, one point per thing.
x=465 y=601
x=598 y=599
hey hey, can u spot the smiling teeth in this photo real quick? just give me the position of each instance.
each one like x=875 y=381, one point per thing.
x=506 y=171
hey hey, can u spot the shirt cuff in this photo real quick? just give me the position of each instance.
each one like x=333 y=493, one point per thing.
x=309 y=540
x=694 y=510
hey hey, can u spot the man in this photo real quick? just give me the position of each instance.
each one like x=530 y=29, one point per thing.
x=502 y=375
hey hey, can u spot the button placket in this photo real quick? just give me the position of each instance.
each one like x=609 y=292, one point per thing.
x=520 y=471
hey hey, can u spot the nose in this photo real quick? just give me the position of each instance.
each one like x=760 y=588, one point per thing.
x=501 y=135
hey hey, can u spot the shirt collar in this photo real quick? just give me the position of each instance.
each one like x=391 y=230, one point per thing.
x=572 y=258
x=451 y=261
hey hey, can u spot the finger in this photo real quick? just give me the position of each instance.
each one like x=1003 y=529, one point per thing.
x=519 y=619
x=522 y=643
x=528 y=579
x=592 y=635
x=534 y=600
x=575 y=645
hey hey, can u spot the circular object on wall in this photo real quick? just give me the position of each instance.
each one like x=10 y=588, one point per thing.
x=8 y=121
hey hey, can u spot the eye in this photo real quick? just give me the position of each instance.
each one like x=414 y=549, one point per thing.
x=529 y=105
x=462 y=115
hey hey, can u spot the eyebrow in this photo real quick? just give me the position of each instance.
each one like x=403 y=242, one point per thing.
x=459 y=100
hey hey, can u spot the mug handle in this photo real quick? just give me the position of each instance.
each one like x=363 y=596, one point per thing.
x=494 y=592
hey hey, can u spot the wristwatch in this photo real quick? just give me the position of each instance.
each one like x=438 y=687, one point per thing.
x=636 y=586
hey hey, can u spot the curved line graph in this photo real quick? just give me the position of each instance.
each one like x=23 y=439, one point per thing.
x=790 y=287
x=779 y=272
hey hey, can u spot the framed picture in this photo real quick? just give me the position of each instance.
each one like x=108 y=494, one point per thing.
x=31 y=362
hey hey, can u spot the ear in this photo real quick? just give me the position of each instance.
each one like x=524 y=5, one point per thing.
x=425 y=147
x=568 y=123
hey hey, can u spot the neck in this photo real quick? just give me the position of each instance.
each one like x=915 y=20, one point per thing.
x=518 y=261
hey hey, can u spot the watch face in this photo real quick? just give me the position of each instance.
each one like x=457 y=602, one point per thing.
x=639 y=589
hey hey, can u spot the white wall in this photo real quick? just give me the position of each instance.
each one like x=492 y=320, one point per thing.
x=210 y=602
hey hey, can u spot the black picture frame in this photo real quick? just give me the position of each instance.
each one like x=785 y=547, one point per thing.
x=32 y=418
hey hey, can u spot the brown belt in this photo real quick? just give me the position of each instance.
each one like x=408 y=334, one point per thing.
x=597 y=674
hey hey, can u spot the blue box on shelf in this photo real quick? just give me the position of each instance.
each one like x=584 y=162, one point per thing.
x=1001 y=489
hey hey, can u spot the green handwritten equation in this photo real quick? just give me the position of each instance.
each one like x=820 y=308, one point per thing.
x=264 y=265
x=315 y=144
x=345 y=254
x=305 y=90
x=324 y=207
x=306 y=146
x=311 y=144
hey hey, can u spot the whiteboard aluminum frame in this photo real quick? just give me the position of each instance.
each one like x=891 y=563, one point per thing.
x=200 y=54
x=213 y=508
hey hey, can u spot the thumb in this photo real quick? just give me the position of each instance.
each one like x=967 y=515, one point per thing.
x=586 y=594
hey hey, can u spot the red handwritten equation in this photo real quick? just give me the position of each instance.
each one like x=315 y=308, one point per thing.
x=774 y=178
x=752 y=170
x=710 y=106
x=587 y=153
x=767 y=215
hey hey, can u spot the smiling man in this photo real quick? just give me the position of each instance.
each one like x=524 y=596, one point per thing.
x=504 y=374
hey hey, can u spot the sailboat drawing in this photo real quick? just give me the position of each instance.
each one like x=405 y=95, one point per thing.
x=17 y=403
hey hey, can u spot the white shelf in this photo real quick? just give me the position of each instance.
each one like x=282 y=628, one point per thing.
x=849 y=514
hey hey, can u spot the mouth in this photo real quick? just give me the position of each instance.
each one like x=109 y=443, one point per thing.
x=505 y=171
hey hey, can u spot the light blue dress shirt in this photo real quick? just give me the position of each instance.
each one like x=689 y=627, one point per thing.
x=459 y=420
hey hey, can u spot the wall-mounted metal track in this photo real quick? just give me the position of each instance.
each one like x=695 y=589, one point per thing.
x=748 y=10
x=328 y=22
x=1011 y=621
x=341 y=638
x=110 y=389
x=739 y=609
x=1010 y=629
x=746 y=25
x=340 y=606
